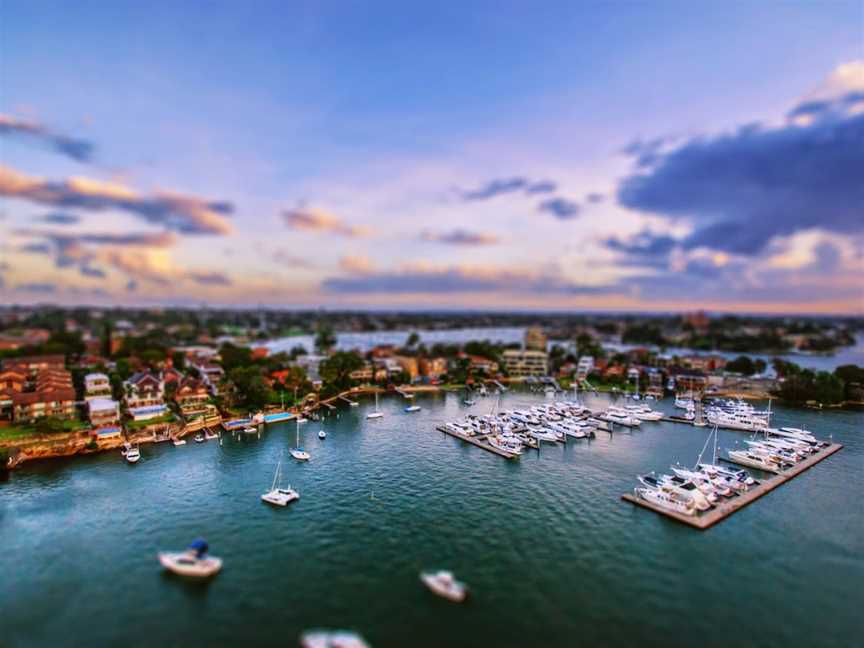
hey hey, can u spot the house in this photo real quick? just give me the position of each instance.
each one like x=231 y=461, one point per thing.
x=211 y=373
x=535 y=339
x=364 y=374
x=96 y=385
x=103 y=412
x=30 y=405
x=433 y=368
x=32 y=364
x=192 y=396
x=526 y=362
x=170 y=376
x=584 y=367
x=144 y=389
x=12 y=380
x=409 y=365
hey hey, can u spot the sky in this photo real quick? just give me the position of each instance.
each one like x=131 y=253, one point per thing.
x=472 y=155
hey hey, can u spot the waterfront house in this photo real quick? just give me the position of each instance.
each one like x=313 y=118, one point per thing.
x=408 y=365
x=12 y=380
x=96 y=385
x=145 y=396
x=103 y=412
x=535 y=339
x=584 y=367
x=30 y=405
x=192 y=396
x=363 y=375
x=211 y=373
x=433 y=368
x=526 y=362
x=170 y=376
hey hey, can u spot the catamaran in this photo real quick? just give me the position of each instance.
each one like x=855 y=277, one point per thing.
x=297 y=452
x=376 y=413
x=277 y=495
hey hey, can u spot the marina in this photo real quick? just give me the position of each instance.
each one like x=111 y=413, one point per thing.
x=376 y=474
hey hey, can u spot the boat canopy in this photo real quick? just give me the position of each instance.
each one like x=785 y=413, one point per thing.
x=200 y=546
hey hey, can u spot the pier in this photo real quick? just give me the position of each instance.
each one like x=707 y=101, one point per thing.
x=473 y=440
x=727 y=507
x=349 y=401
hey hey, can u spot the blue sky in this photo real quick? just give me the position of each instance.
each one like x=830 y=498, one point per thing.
x=299 y=154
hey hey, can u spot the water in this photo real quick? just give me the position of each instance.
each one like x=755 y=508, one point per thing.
x=553 y=556
x=509 y=335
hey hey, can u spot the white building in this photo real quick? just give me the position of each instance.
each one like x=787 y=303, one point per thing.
x=584 y=367
x=96 y=385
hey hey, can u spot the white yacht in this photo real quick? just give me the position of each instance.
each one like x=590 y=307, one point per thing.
x=754 y=460
x=322 y=434
x=194 y=562
x=643 y=412
x=250 y=430
x=665 y=500
x=736 y=420
x=621 y=417
x=210 y=435
x=712 y=470
x=332 y=639
x=376 y=413
x=179 y=442
x=277 y=495
x=688 y=494
x=133 y=454
x=412 y=408
x=445 y=585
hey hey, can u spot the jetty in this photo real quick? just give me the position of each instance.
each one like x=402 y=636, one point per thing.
x=348 y=400
x=725 y=508
x=479 y=441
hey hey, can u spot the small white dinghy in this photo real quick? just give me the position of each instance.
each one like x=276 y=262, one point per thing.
x=322 y=434
x=250 y=430
x=133 y=454
x=444 y=585
x=332 y=639
x=194 y=562
x=277 y=495
x=412 y=408
x=179 y=442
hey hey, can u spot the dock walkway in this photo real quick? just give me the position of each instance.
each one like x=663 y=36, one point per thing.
x=480 y=443
x=727 y=507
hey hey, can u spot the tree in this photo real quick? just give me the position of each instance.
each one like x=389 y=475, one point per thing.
x=336 y=369
x=178 y=359
x=743 y=365
x=325 y=339
x=413 y=339
x=49 y=425
x=234 y=356
x=252 y=390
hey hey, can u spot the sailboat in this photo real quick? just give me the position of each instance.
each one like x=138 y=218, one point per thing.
x=297 y=452
x=376 y=413
x=277 y=495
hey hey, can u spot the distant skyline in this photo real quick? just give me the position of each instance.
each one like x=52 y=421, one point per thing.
x=612 y=156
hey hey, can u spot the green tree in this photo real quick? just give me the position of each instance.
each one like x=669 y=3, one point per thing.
x=234 y=356
x=325 y=339
x=413 y=339
x=336 y=369
x=251 y=389
x=178 y=359
x=743 y=365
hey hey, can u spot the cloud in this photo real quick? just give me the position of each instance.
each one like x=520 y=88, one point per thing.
x=643 y=244
x=37 y=287
x=463 y=279
x=181 y=213
x=560 y=208
x=35 y=248
x=61 y=218
x=132 y=239
x=508 y=185
x=594 y=197
x=285 y=258
x=460 y=237
x=742 y=189
x=316 y=220
x=210 y=278
x=80 y=150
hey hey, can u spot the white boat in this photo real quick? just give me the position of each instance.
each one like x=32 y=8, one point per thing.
x=688 y=494
x=179 y=442
x=322 y=434
x=194 y=562
x=716 y=470
x=615 y=415
x=277 y=495
x=469 y=402
x=199 y=438
x=754 y=460
x=133 y=454
x=376 y=413
x=665 y=500
x=332 y=639
x=736 y=420
x=443 y=584
x=297 y=452
x=210 y=435
x=412 y=408
x=250 y=430
x=302 y=419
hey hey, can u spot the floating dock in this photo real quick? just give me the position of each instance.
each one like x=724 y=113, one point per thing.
x=473 y=440
x=727 y=507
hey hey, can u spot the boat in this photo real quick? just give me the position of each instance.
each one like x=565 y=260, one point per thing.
x=133 y=454
x=179 y=442
x=277 y=495
x=754 y=460
x=199 y=438
x=444 y=585
x=665 y=500
x=469 y=402
x=194 y=562
x=250 y=430
x=209 y=436
x=332 y=639
x=297 y=452
x=302 y=419
x=716 y=470
x=412 y=408
x=736 y=420
x=322 y=434
x=690 y=494
x=376 y=413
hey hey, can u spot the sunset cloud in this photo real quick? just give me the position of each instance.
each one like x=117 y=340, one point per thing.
x=316 y=220
x=501 y=186
x=460 y=237
x=80 y=150
x=181 y=213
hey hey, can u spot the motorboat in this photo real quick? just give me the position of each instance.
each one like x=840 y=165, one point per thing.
x=133 y=454
x=376 y=413
x=250 y=430
x=302 y=419
x=444 y=585
x=736 y=420
x=412 y=408
x=199 y=438
x=277 y=495
x=665 y=500
x=179 y=442
x=209 y=436
x=322 y=434
x=795 y=433
x=194 y=562
x=741 y=476
x=749 y=458
x=692 y=495
x=613 y=415
x=469 y=402
x=332 y=639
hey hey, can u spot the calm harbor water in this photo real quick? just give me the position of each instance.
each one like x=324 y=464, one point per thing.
x=553 y=556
